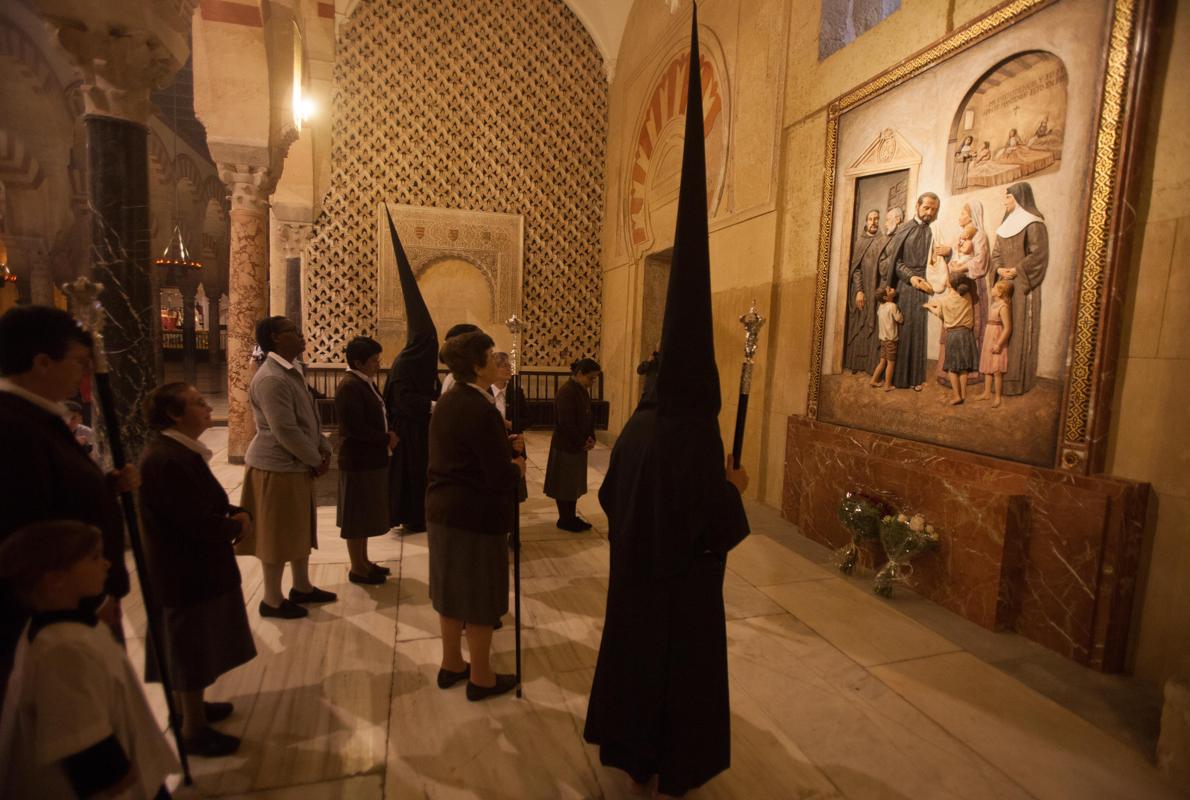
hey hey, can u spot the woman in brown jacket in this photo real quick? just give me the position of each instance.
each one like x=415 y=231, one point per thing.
x=472 y=478
x=363 y=458
x=574 y=436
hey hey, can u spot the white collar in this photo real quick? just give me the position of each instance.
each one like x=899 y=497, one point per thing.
x=1016 y=222
x=294 y=365
x=920 y=221
x=496 y=390
x=487 y=394
x=362 y=377
x=193 y=444
x=57 y=409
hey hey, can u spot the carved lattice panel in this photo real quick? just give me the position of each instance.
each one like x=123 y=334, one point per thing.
x=489 y=105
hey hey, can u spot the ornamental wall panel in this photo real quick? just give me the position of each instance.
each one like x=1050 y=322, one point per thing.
x=487 y=106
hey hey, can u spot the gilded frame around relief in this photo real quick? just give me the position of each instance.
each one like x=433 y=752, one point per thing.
x=1081 y=393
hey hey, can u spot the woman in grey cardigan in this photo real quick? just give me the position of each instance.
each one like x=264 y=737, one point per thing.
x=285 y=457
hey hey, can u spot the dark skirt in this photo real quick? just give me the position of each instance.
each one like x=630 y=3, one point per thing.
x=961 y=353
x=203 y=641
x=363 y=503
x=566 y=475
x=468 y=574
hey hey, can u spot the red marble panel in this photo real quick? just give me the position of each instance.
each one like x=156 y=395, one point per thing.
x=1048 y=554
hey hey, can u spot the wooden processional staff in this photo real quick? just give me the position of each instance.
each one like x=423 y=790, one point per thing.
x=515 y=326
x=752 y=322
x=84 y=302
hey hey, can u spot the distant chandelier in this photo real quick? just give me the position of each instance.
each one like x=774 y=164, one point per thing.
x=175 y=253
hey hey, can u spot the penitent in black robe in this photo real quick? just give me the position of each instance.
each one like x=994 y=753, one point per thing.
x=409 y=402
x=659 y=702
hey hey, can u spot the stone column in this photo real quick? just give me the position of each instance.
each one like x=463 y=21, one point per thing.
x=285 y=290
x=247 y=276
x=118 y=69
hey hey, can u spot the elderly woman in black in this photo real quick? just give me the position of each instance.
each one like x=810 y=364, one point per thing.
x=574 y=436
x=473 y=472
x=364 y=453
x=189 y=530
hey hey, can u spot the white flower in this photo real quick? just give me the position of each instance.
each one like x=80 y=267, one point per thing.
x=902 y=518
x=917 y=524
x=930 y=529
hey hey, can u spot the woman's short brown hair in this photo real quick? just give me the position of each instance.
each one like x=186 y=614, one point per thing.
x=164 y=403
x=465 y=353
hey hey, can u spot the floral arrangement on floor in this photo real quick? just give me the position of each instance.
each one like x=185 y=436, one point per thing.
x=860 y=514
x=903 y=538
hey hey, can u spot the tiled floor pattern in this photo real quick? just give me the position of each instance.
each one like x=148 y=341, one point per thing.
x=835 y=692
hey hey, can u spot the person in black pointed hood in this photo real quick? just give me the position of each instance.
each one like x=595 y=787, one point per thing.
x=409 y=397
x=659 y=701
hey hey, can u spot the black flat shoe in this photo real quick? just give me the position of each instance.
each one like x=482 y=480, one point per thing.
x=381 y=569
x=572 y=525
x=372 y=578
x=583 y=525
x=217 y=712
x=504 y=684
x=315 y=595
x=286 y=610
x=447 y=679
x=211 y=744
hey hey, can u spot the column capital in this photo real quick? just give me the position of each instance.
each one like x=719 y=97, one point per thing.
x=292 y=237
x=118 y=68
x=250 y=186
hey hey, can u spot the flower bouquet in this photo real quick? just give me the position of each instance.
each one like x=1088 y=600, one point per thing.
x=903 y=538
x=860 y=514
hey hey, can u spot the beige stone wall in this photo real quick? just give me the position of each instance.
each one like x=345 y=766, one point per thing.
x=1150 y=434
x=772 y=256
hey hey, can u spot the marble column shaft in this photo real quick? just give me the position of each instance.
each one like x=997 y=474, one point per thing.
x=118 y=175
x=188 y=286
x=248 y=295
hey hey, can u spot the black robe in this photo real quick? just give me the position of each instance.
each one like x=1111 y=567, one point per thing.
x=409 y=402
x=659 y=702
x=48 y=475
x=910 y=253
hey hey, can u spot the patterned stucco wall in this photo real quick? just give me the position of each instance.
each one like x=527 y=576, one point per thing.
x=487 y=105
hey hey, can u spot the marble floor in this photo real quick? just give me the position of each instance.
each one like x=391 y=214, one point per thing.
x=835 y=692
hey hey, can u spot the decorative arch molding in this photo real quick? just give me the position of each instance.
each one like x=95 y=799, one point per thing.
x=16 y=44
x=170 y=169
x=19 y=169
x=663 y=110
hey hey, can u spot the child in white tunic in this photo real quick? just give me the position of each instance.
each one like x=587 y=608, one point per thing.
x=75 y=720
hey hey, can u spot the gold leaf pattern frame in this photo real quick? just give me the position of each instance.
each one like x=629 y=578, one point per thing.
x=1084 y=391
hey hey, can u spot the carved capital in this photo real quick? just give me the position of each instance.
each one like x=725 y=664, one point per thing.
x=117 y=68
x=292 y=238
x=249 y=186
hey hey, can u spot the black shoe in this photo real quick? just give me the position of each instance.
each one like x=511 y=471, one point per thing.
x=286 y=610
x=409 y=530
x=499 y=624
x=217 y=712
x=447 y=679
x=583 y=525
x=211 y=744
x=315 y=595
x=381 y=569
x=573 y=525
x=504 y=683
x=372 y=578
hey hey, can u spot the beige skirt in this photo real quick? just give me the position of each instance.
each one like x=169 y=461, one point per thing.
x=283 y=513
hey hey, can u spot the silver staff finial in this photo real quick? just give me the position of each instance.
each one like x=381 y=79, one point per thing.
x=752 y=322
x=515 y=326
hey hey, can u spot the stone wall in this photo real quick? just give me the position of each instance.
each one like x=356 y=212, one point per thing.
x=492 y=105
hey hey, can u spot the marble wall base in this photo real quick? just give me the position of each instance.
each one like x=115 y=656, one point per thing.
x=1050 y=555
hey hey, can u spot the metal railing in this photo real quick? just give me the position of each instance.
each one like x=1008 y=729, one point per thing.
x=539 y=385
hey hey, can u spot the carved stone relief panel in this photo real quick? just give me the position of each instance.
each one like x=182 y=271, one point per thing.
x=493 y=244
